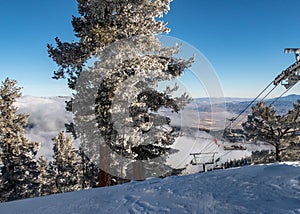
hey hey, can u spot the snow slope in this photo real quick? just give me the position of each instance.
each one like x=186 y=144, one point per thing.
x=273 y=188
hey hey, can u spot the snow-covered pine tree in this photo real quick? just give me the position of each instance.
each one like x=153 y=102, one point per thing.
x=19 y=170
x=277 y=130
x=46 y=177
x=66 y=164
x=102 y=24
x=89 y=171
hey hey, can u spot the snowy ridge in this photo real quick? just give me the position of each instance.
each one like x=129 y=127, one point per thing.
x=273 y=188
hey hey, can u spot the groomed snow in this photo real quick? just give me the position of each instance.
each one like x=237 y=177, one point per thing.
x=273 y=188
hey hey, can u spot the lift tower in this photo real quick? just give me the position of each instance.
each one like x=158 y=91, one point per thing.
x=290 y=76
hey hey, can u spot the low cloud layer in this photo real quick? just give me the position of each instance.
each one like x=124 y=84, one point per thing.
x=46 y=120
x=48 y=117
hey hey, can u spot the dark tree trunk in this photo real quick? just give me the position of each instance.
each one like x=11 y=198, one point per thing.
x=103 y=177
x=277 y=152
x=138 y=171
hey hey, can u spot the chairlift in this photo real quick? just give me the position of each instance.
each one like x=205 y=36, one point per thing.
x=218 y=167
x=234 y=147
x=194 y=160
x=196 y=156
x=234 y=136
x=288 y=78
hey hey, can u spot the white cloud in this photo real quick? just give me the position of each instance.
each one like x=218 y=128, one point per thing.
x=48 y=116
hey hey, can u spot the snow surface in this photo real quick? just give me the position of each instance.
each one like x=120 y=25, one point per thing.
x=273 y=188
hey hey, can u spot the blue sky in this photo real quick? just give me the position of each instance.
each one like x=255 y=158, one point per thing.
x=242 y=39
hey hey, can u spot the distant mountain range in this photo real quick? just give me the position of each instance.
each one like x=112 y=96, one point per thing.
x=236 y=105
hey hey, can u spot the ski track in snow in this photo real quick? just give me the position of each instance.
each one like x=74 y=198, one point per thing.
x=263 y=189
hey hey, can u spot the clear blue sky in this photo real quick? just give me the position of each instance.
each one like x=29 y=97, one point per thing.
x=243 y=40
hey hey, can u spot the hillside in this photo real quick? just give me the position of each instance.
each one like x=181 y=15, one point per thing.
x=236 y=105
x=273 y=188
x=195 y=116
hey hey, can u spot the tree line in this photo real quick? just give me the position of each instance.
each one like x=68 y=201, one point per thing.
x=121 y=37
x=115 y=104
x=23 y=174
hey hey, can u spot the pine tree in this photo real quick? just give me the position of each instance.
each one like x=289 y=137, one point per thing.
x=66 y=164
x=46 y=181
x=277 y=130
x=19 y=170
x=101 y=23
x=122 y=33
x=89 y=171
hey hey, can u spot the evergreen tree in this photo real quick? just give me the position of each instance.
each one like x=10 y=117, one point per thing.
x=66 y=164
x=46 y=181
x=89 y=171
x=277 y=130
x=19 y=170
x=101 y=23
x=132 y=62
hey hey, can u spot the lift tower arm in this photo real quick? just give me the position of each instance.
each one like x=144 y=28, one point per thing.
x=290 y=76
x=296 y=51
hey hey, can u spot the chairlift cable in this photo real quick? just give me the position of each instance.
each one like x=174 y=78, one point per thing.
x=248 y=107
x=240 y=121
x=268 y=93
x=289 y=88
x=276 y=83
x=226 y=153
x=270 y=104
x=254 y=100
x=235 y=118
x=211 y=146
x=206 y=147
x=281 y=95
